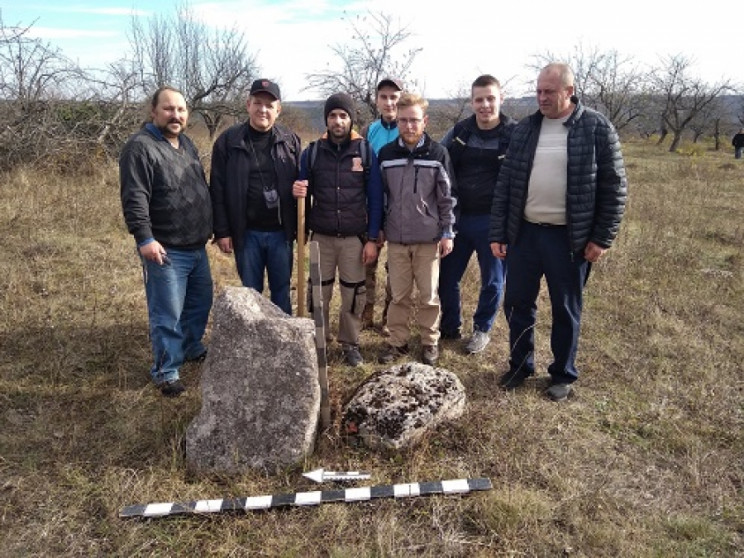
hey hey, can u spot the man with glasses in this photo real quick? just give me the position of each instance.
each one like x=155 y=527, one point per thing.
x=417 y=176
x=255 y=215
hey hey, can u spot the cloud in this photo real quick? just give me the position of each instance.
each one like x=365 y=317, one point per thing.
x=63 y=33
x=127 y=12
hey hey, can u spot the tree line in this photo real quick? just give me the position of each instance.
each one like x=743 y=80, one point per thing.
x=56 y=113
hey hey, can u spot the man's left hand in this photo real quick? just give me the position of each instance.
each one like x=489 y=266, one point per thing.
x=369 y=253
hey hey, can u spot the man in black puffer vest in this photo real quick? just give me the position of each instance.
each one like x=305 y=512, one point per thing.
x=344 y=215
x=559 y=200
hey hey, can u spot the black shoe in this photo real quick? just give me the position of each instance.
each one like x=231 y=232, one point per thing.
x=559 y=392
x=391 y=353
x=514 y=378
x=352 y=355
x=198 y=359
x=172 y=389
x=454 y=334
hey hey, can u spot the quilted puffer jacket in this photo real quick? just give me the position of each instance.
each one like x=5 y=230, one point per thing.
x=597 y=186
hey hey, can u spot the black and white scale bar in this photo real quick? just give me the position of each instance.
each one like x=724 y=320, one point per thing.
x=314 y=498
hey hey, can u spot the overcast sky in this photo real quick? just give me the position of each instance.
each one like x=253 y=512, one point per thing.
x=460 y=40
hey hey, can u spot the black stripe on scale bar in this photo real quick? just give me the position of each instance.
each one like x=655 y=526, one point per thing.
x=361 y=494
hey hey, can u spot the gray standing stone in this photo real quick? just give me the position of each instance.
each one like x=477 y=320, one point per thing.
x=260 y=390
x=395 y=407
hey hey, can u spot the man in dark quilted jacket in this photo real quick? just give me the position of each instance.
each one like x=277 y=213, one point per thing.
x=559 y=200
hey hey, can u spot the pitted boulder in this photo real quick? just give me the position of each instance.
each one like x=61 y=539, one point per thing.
x=395 y=407
x=260 y=390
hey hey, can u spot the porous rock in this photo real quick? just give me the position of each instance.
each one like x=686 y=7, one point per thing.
x=396 y=406
x=259 y=385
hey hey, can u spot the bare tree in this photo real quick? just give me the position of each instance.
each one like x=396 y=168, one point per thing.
x=684 y=97
x=212 y=68
x=606 y=81
x=374 y=39
x=34 y=78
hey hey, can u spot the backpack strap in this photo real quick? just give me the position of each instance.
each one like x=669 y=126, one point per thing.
x=460 y=135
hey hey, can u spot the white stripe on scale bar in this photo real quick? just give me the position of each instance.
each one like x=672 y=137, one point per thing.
x=258 y=502
x=157 y=509
x=357 y=494
x=308 y=498
x=208 y=506
x=455 y=486
x=406 y=490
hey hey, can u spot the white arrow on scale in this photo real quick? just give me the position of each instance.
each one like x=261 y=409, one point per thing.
x=321 y=475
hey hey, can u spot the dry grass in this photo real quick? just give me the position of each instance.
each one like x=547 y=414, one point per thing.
x=647 y=460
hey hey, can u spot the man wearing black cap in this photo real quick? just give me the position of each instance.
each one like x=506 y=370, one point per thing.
x=253 y=167
x=344 y=215
x=378 y=133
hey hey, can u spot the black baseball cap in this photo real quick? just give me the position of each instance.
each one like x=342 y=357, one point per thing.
x=267 y=86
x=392 y=82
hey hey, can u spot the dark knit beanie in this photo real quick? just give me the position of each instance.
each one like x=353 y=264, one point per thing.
x=340 y=101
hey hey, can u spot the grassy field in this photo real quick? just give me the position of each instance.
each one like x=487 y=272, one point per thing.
x=646 y=460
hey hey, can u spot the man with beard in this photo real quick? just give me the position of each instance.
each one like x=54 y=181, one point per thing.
x=340 y=175
x=417 y=176
x=166 y=205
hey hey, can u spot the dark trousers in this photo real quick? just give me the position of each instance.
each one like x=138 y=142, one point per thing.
x=544 y=251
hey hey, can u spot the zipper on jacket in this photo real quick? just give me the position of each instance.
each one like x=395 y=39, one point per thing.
x=415 y=177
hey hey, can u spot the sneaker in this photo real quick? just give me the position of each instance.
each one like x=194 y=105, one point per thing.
x=430 y=355
x=477 y=342
x=391 y=353
x=559 y=392
x=368 y=316
x=385 y=331
x=512 y=379
x=454 y=334
x=352 y=355
x=172 y=389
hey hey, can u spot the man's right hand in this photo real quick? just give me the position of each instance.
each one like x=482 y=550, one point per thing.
x=299 y=188
x=498 y=250
x=153 y=251
x=225 y=244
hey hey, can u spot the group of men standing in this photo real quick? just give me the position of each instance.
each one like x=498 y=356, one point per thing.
x=542 y=197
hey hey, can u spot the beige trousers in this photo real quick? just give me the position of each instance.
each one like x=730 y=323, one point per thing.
x=408 y=265
x=344 y=254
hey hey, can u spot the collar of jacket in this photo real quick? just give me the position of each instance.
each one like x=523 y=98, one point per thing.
x=388 y=125
x=150 y=127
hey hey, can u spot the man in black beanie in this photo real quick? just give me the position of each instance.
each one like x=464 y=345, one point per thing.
x=341 y=178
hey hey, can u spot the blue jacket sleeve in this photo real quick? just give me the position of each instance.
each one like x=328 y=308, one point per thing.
x=374 y=197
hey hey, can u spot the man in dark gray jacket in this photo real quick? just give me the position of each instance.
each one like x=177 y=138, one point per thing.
x=559 y=200
x=166 y=206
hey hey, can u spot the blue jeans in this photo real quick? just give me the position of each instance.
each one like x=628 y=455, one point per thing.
x=267 y=250
x=738 y=152
x=544 y=251
x=179 y=298
x=472 y=236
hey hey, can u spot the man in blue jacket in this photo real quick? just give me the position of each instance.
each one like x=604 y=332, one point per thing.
x=253 y=167
x=557 y=208
x=165 y=200
x=378 y=133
